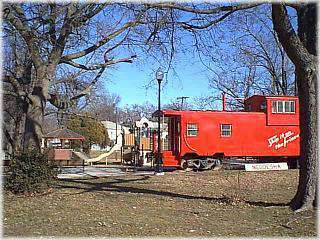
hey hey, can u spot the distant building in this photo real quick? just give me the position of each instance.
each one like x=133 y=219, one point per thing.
x=145 y=124
x=114 y=129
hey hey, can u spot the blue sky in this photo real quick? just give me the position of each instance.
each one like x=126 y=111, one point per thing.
x=190 y=78
x=129 y=81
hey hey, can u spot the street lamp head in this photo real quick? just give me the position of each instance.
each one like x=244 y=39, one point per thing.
x=159 y=75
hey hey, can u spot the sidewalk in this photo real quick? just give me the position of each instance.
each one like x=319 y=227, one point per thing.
x=99 y=171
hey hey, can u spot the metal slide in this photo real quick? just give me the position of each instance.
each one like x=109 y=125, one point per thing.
x=105 y=155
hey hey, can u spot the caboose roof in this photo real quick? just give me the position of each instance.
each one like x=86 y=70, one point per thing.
x=180 y=112
x=272 y=96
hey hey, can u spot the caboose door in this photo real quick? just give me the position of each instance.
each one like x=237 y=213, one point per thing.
x=171 y=146
x=176 y=136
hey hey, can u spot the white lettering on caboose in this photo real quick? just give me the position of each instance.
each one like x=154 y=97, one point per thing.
x=282 y=140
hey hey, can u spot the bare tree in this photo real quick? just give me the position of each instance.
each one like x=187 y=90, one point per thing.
x=247 y=60
x=260 y=45
x=14 y=105
x=54 y=35
x=301 y=47
x=134 y=112
x=206 y=102
x=104 y=105
x=177 y=105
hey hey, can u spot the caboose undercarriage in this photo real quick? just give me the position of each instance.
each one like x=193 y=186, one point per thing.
x=204 y=163
x=201 y=163
x=210 y=163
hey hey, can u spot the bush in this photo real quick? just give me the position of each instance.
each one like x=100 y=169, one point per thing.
x=30 y=171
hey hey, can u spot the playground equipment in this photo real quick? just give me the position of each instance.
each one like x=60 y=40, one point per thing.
x=138 y=144
x=102 y=157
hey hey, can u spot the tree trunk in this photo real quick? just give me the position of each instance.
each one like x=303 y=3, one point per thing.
x=306 y=193
x=34 y=120
x=34 y=112
x=307 y=90
x=13 y=123
x=301 y=49
x=19 y=125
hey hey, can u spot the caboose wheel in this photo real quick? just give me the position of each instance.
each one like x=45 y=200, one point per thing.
x=183 y=164
x=217 y=165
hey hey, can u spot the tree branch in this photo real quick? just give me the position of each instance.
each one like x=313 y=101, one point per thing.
x=15 y=84
x=203 y=11
x=78 y=21
x=99 y=66
x=287 y=36
x=24 y=30
x=60 y=104
x=190 y=26
x=8 y=136
x=87 y=90
x=101 y=42
x=118 y=43
x=52 y=20
x=66 y=29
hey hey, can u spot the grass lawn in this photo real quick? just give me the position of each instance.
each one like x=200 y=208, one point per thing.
x=189 y=204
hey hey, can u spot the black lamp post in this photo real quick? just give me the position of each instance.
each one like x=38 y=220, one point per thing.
x=159 y=170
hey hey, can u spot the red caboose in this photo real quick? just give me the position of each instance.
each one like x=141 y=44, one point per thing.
x=267 y=130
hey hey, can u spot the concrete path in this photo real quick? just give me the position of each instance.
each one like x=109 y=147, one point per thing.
x=92 y=171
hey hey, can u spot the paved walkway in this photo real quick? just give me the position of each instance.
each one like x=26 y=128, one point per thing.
x=92 y=171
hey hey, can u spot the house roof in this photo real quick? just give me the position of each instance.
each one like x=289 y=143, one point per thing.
x=112 y=126
x=145 y=121
x=64 y=134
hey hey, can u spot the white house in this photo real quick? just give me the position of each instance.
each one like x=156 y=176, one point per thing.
x=144 y=122
x=114 y=129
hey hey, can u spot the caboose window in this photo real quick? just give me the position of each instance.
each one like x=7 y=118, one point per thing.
x=225 y=130
x=280 y=107
x=274 y=106
x=192 y=129
x=283 y=107
x=287 y=106
x=292 y=107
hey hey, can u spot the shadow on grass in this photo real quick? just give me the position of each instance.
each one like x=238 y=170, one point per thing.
x=89 y=186
x=266 y=204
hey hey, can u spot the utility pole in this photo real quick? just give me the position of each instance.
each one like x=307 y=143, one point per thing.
x=182 y=100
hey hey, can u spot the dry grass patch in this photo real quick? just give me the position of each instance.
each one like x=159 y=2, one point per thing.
x=206 y=204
